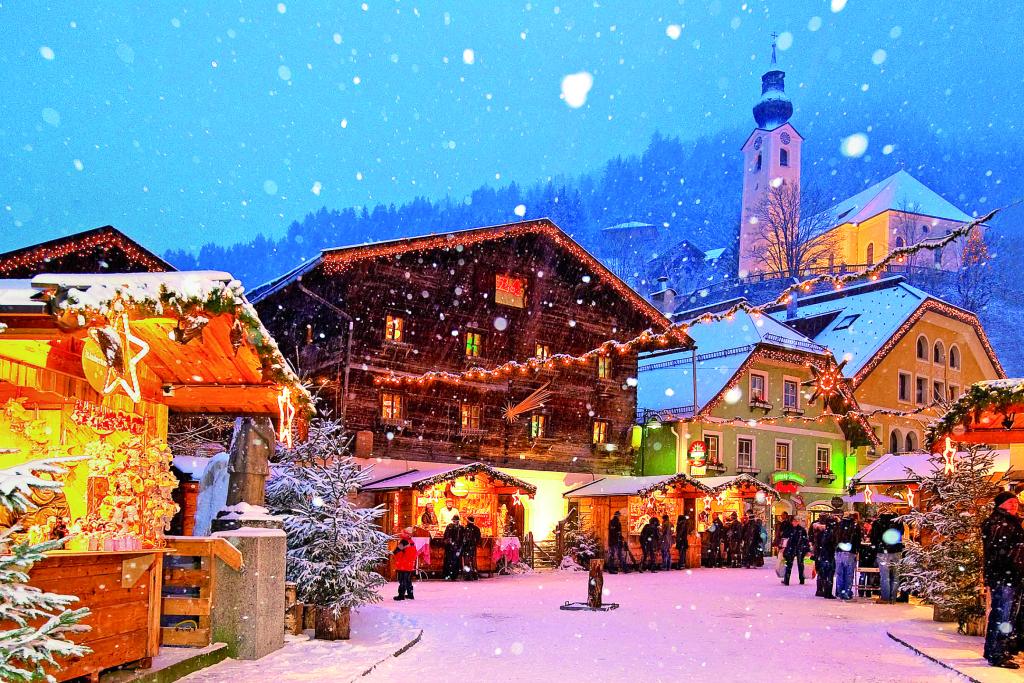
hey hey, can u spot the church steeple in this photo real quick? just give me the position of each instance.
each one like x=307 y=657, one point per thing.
x=774 y=108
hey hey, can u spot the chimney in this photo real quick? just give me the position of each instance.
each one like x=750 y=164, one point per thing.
x=664 y=297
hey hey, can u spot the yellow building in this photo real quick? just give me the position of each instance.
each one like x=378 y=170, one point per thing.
x=905 y=350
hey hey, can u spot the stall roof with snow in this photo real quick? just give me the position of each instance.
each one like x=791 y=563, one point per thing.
x=420 y=479
x=665 y=378
x=632 y=486
x=187 y=340
x=739 y=481
x=910 y=468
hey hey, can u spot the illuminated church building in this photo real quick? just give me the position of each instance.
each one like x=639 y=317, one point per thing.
x=895 y=212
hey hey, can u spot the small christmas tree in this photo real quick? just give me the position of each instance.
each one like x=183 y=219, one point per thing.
x=28 y=648
x=334 y=547
x=943 y=563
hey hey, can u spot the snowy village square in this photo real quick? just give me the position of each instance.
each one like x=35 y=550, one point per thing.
x=528 y=340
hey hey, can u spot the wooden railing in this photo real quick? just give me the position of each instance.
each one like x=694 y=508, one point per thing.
x=189 y=587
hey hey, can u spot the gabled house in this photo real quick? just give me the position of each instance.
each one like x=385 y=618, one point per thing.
x=100 y=250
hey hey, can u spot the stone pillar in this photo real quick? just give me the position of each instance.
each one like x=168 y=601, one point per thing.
x=249 y=606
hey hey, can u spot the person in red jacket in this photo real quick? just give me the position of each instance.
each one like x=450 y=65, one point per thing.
x=405 y=564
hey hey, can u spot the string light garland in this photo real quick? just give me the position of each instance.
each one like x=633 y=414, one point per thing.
x=75 y=245
x=479 y=468
x=285 y=417
x=340 y=260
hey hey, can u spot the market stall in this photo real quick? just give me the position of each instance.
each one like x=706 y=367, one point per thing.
x=427 y=499
x=740 y=494
x=90 y=367
x=637 y=499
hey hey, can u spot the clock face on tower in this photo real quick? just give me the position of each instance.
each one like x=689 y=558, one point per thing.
x=785 y=138
x=757 y=142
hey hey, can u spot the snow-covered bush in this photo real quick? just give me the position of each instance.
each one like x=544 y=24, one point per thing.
x=581 y=545
x=26 y=649
x=334 y=547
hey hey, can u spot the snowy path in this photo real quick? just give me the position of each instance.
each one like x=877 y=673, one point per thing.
x=709 y=625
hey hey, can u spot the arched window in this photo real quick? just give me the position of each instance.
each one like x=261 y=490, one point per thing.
x=895 y=441
x=939 y=353
x=922 y=348
x=911 y=441
x=924 y=229
x=871 y=254
x=938 y=258
x=954 y=357
x=783 y=157
x=757 y=165
x=900 y=243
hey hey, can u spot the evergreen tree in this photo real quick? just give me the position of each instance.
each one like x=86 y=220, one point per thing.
x=334 y=547
x=943 y=562
x=31 y=645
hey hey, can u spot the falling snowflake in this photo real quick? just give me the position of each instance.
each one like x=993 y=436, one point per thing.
x=575 y=88
x=855 y=145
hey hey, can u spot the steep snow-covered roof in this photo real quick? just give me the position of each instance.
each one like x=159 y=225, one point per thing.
x=665 y=380
x=893 y=468
x=899 y=192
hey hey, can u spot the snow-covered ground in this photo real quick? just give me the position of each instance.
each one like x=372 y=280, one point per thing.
x=716 y=625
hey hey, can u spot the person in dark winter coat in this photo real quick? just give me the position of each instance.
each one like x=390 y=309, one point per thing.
x=848 y=537
x=1002 y=539
x=796 y=550
x=405 y=565
x=470 y=542
x=752 y=542
x=887 y=539
x=682 y=541
x=453 y=541
x=782 y=529
x=734 y=541
x=666 y=543
x=649 y=545
x=616 y=545
x=825 y=555
x=715 y=533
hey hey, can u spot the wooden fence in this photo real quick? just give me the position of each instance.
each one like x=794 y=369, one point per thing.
x=189 y=587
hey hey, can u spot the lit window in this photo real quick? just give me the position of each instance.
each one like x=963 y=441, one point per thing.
x=601 y=429
x=823 y=459
x=847 y=321
x=538 y=426
x=713 y=456
x=921 y=391
x=781 y=455
x=604 y=367
x=391 y=406
x=510 y=291
x=757 y=389
x=474 y=344
x=745 y=453
x=394 y=329
x=904 y=387
x=542 y=352
x=790 y=395
x=470 y=416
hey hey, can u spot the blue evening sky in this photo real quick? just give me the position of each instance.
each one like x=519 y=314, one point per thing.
x=189 y=122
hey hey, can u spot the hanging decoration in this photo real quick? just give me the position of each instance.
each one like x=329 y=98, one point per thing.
x=285 y=417
x=868 y=494
x=108 y=361
x=105 y=420
x=518 y=497
x=949 y=457
x=827 y=382
x=910 y=497
x=535 y=400
x=698 y=453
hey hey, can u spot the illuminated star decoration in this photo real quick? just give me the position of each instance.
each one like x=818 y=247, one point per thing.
x=867 y=495
x=511 y=412
x=116 y=378
x=517 y=498
x=910 y=497
x=826 y=382
x=948 y=457
x=286 y=415
x=707 y=502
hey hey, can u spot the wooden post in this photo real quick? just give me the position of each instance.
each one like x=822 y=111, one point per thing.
x=595 y=587
x=331 y=627
x=308 y=617
x=293 y=610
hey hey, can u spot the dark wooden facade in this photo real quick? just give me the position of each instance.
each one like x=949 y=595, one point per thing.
x=101 y=250
x=444 y=288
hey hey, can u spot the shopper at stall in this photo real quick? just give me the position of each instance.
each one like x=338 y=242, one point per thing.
x=848 y=537
x=649 y=545
x=795 y=550
x=471 y=537
x=734 y=542
x=887 y=539
x=453 y=538
x=405 y=565
x=682 y=541
x=616 y=545
x=752 y=530
x=825 y=555
x=666 y=543
x=716 y=537
x=1003 y=542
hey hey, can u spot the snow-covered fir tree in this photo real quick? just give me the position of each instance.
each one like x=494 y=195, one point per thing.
x=943 y=559
x=42 y=620
x=334 y=547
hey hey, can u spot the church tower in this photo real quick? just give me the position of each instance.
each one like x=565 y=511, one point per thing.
x=770 y=155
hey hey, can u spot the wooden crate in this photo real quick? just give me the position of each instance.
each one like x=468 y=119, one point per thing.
x=122 y=591
x=188 y=587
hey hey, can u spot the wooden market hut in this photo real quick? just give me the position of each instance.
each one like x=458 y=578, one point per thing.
x=637 y=499
x=90 y=367
x=420 y=498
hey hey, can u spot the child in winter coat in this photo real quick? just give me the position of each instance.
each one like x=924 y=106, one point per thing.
x=405 y=564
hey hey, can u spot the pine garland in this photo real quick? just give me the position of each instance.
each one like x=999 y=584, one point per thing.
x=477 y=468
x=997 y=395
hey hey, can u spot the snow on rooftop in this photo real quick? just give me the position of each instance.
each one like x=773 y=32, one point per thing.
x=665 y=381
x=863 y=320
x=900 y=191
x=714 y=254
x=895 y=468
x=407 y=479
x=17 y=293
x=617 y=486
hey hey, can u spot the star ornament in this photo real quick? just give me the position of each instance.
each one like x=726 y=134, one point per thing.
x=949 y=457
x=127 y=376
x=826 y=382
x=518 y=497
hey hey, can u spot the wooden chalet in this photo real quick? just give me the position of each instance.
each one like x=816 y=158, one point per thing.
x=100 y=250
x=494 y=314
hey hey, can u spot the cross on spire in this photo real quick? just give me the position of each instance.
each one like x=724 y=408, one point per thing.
x=774 y=37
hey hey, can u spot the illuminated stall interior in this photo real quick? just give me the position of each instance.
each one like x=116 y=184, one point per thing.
x=737 y=494
x=91 y=365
